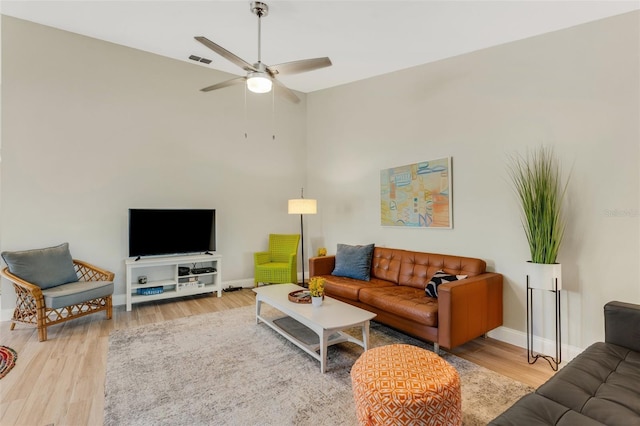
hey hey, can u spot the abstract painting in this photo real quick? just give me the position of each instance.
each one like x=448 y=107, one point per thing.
x=417 y=195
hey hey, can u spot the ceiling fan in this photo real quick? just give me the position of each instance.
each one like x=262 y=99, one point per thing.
x=260 y=77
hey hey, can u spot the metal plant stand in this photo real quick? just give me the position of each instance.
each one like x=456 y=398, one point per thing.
x=531 y=356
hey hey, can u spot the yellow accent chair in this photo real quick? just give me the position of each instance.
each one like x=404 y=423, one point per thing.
x=280 y=264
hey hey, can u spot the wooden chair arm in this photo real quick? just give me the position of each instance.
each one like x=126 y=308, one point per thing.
x=19 y=283
x=89 y=272
x=28 y=295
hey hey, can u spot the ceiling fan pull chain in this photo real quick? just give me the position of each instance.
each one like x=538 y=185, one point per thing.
x=246 y=118
x=273 y=114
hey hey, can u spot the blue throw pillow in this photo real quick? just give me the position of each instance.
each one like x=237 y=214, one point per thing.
x=353 y=261
x=438 y=278
x=47 y=267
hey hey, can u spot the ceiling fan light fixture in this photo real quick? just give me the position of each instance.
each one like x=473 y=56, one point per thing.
x=259 y=82
x=260 y=77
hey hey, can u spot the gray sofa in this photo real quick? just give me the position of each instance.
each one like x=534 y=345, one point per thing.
x=601 y=386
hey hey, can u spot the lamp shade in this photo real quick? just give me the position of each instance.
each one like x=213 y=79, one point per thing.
x=303 y=206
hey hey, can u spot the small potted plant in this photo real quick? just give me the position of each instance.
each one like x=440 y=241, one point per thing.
x=316 y=289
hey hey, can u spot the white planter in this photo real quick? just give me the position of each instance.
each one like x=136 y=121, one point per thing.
x=544 y=276
x=316 y=301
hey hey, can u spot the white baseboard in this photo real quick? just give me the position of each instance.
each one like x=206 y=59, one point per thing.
x=119 y=299
x=540 y=345
x=244 y=283
x=6 y=314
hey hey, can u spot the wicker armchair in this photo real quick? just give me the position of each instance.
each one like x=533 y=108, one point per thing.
x=30 y=301
x=280 y=264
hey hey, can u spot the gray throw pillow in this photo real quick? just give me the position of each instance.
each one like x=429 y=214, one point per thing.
x=353 y=261
x=46 y=267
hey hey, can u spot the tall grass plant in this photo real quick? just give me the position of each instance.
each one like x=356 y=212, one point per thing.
x=536 y=177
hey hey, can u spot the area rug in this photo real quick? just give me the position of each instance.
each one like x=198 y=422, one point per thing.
x=8 y=359
x=224 y=369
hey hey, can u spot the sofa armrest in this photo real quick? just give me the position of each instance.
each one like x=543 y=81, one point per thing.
x=322 y=265
x=622 y=324
x=469 y=308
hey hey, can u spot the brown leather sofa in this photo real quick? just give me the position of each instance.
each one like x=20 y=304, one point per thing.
x=464 y=309
x=601 y=386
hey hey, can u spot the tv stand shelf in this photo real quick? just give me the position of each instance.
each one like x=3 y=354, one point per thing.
x=163 y=280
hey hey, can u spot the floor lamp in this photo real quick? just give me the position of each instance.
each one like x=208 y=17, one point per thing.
x=302 y=206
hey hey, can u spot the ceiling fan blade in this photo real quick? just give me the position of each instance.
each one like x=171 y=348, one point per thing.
x=286 y=92
x=226 y=54
x=297 y=67
x=227 y=83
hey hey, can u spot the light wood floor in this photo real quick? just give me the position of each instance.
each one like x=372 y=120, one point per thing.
x=61 y=381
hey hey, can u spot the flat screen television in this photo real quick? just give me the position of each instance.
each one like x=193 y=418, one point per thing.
x=155 y=232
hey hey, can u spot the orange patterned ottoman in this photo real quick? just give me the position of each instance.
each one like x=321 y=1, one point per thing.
x=405 y=385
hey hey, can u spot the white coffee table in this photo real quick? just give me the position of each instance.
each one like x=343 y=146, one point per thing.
x=327 y=321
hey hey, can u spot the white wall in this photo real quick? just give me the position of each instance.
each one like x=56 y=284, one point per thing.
x=91 y=129
x=577 y=90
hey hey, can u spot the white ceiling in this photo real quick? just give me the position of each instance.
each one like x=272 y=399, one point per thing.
x=362 y=38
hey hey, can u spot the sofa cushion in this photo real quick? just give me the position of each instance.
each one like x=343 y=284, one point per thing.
x=440 y=277
x=349 y=288
x=353 y=261
x=406 y=302
x=417 y=268
x=385 y=264
x=46 y=267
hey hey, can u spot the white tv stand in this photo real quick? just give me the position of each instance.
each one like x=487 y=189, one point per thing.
x=163 y=277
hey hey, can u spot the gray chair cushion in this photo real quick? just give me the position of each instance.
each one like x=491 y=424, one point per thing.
x=76 y=292
x=46 y=267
